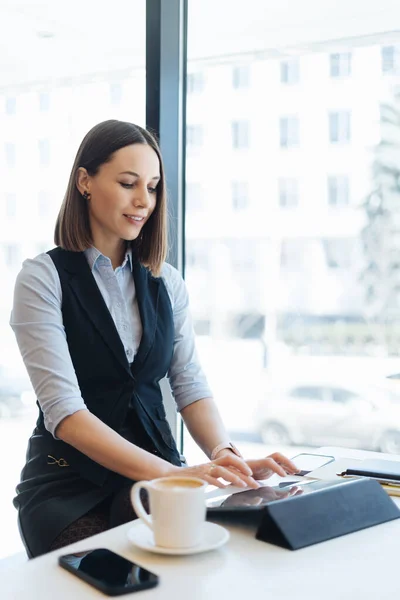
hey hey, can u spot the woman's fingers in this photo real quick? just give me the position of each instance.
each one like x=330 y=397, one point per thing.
x=285 y=462
x=233 y=476
x=212 y=481
x=231 y=460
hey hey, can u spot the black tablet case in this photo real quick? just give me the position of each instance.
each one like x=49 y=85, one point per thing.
x=308 y=519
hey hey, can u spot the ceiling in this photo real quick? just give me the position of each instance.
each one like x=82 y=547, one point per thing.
x=45 y=40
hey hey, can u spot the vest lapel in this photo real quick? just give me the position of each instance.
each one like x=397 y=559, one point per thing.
x=89 y=296
x=147 y=294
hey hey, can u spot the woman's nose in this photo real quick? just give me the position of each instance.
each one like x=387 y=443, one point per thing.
x=142 y=198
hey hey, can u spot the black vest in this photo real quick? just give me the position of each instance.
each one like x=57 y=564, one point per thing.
x=119 y=394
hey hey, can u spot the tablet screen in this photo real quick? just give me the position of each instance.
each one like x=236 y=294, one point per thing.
x=250 y=500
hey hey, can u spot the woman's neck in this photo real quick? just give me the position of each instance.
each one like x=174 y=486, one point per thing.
x=116 y=253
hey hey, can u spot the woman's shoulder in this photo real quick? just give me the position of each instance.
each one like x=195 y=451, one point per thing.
x=39 y=271
x=174 y=282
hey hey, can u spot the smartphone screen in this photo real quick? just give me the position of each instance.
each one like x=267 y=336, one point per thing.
x=309 y=462
x=108 y=572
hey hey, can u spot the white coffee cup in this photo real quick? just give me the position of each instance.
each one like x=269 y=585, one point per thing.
x=177 y=508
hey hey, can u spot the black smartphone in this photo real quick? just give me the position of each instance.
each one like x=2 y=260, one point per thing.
x=110 y=573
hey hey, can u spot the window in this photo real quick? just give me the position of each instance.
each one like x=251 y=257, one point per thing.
x=339 y=252
x=194 y=136
x=289 y=132
x=340 y=64
x=197 y=255
x=12 y=255
x=338 y=190
x=240 y=134
x=341 y=396
x=240 y=195
x=194 y=197
x=241 y=77
x=292 y=254
x=288 y=192
x=390 y=59
x=11 y=105
x=44 y=101
x=44 y=152
x=195 y=83
x=10 y=154
x=43 y=203
x=308 y=393
x=11 y=205
x=339 y=127
x=48 y=101
x=115 y=94
x=290 y=71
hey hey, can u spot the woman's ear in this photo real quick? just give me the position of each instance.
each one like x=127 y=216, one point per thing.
x=83 y=180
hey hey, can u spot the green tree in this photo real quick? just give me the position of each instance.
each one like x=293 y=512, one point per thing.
x=381 y=234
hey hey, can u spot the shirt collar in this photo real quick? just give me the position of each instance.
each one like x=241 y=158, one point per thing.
x=93 y=255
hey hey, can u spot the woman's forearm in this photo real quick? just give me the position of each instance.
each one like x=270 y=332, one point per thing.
x=92 y=437
x=205 y=424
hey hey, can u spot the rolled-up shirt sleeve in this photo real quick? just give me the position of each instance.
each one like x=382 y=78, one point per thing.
x=37 y=322
x=186 y=377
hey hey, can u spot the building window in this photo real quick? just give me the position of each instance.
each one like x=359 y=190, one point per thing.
x=195 y=83
x=390 y=59
x=197 y=254
x=240 y=195
x=194 y=136
x=338 y=190
x=11 y=255
x=338 y=252
x=289 y=132
x=339 y=127
x=194 y=197
x=9 y=150
x=290 y=71
x=44 y=101
x=115 y=94
x=288 y=192
x=11 y=105
x=240 y=134
x=292 y=254
x=44 y=152
x=340 y=64
x=43 y=203
x=11 y=205
x=241 y=77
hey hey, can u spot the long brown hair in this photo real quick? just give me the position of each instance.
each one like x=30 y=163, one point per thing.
x=72 y=230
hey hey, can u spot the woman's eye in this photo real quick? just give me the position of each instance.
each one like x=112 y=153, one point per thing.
x=152 y=190
x=126 y=185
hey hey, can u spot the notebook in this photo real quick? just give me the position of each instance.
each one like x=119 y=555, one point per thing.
x=376 y=468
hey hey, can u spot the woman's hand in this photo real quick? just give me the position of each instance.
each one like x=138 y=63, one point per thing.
x=229 y=467
x=263 y=468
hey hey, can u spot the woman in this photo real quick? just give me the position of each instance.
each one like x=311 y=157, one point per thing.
x=99 y=321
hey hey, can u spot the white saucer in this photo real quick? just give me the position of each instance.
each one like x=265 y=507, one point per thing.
x=214 y=536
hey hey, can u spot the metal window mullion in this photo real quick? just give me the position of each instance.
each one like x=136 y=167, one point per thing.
x=166 y=59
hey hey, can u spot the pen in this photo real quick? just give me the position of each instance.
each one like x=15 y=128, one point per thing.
x=393 y=483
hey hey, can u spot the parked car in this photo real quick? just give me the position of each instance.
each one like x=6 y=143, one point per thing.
x=324 y=413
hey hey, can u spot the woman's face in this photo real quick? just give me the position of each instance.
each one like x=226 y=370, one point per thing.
x=122 y=194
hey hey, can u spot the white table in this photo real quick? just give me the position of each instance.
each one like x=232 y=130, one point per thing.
x=360 y=565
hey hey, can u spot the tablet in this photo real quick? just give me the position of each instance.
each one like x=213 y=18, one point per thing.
x=254 y=500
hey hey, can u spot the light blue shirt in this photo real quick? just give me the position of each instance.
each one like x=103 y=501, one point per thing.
x=37 y=322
